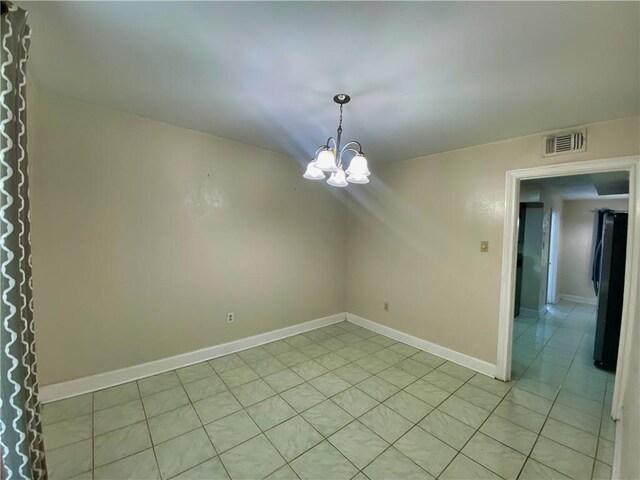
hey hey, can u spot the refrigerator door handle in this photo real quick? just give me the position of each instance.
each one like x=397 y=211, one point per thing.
x=597 y=259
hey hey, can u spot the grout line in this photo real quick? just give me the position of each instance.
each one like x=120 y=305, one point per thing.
x=354 y=419
x=243 y=409
x=300 y=348
x=382 y=347
x=202 y=425
x=555 y=400
x=146 y=421
x=604 y=396
x=435 y=407
x=326 y=438
x=459 y=451
x=263 y=432
x=539 y=433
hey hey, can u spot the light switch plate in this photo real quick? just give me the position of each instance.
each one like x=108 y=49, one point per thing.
x=484 y=246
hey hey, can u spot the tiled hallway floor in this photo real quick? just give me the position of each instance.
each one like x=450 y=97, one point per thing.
x=553 y=359
x=344 y=402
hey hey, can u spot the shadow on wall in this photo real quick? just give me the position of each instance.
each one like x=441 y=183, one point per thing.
x=385 y=212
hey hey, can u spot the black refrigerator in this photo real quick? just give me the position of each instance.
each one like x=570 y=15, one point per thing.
x=608 y=280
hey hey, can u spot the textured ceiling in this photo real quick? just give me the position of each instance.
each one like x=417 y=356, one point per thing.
x=424 y=77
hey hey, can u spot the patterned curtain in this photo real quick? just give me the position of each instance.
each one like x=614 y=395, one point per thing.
x=20 y=424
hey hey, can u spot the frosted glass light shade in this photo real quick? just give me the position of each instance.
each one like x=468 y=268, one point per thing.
x=357 y=179
x=313 y=172
x=337 y=179
x=326 y=161
x=358 y=166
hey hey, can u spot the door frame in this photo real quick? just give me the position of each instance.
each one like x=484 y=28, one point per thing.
x=630 y=310
x=553 y=258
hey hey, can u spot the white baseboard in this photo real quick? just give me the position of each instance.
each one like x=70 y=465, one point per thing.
x=555 y=300
x=58 y=391
x=473 y=363
x=531 y=311
x=578 y=299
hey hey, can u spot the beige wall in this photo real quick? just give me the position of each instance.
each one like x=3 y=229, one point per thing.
x=414 y=236
x=576 y=244
x=146 y=234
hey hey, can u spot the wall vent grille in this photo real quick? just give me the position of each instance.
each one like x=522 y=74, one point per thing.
x=564 y=142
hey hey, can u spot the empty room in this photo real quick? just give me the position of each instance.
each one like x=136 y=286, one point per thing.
x=320 y=240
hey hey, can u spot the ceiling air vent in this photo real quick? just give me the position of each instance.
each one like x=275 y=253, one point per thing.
x=564 y=142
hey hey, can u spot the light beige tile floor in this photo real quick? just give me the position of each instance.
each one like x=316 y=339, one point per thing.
x=343 y=402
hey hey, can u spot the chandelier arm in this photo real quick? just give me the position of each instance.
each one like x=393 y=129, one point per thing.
x=334 y=142
x=346 y=145
x=345 y=150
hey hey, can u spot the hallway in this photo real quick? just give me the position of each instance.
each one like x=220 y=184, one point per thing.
x=552 y=358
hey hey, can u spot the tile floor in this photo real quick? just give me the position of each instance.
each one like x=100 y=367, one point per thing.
x=343 y=402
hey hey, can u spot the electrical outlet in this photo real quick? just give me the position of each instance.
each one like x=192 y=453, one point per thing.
x=231 y=317
x=386 y=306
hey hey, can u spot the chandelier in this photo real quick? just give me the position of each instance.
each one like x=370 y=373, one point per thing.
x=329 y=158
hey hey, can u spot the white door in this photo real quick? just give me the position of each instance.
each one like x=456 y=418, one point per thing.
x=552 y=273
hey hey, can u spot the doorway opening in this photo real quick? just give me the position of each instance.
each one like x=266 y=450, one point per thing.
x=563 y=311
x=558 y=337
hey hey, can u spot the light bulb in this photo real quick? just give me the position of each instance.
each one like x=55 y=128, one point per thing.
x=313 y=172
x=326 y=161
x=337 y=179
x=358 y=166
